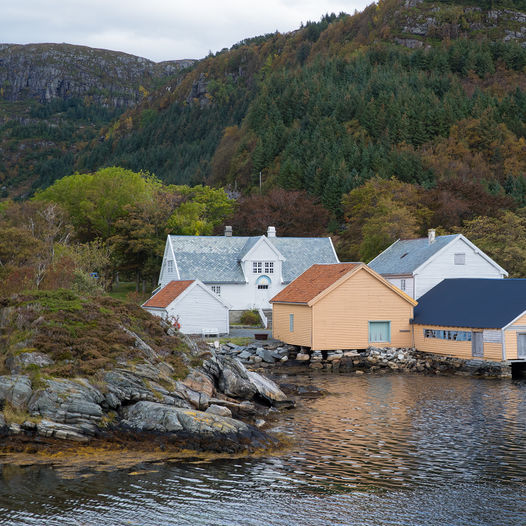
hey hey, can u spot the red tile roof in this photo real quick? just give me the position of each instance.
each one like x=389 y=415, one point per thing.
x=168 y=293
x=312 y=282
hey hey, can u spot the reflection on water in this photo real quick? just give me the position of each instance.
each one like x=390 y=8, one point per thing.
x=400 y=450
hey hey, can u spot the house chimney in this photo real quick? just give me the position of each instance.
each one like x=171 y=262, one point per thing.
x=228 y=231
x=271 y=231
x=431 y=235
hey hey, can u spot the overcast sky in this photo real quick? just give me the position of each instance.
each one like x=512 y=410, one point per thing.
x=158 y=29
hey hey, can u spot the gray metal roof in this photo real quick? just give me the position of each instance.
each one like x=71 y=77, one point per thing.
x=405 y=256
x=217 y=259
x=301 y=253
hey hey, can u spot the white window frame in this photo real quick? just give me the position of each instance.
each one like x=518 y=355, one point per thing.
x=402 y=284
x=269 y=267
x=460 y=258
x=257 y=267
x=216 y=289
x=170 y=265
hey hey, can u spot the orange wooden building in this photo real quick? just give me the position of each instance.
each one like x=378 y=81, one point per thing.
x=342 y=306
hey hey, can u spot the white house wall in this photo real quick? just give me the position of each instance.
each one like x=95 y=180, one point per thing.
x=246 y=296
x=165 y=276
x=198 y=310
x=252 y=296
x=409 y=284
x=443 y=266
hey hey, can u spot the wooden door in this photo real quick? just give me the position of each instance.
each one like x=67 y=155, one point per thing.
x=521 y=346
x=477 y=345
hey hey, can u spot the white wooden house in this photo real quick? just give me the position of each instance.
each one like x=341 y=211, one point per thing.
x=417 y=265
x=245 y=271
x=196 y=308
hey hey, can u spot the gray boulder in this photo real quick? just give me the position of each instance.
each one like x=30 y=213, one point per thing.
x=266 y=355
x=195 y=398
x=47 y=428
x=68 y=401
x=16 y=390
x=151 y=416
x=234 y=380
x=127 y=386
x=196 y=428
x=268 y=390
x=219 y=410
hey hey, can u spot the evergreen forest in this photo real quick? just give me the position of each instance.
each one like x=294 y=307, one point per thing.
x=384 y=123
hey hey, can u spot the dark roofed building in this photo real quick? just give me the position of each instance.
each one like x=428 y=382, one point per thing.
x=481 y=318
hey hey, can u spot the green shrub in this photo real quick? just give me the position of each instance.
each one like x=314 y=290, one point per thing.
x=250 y=317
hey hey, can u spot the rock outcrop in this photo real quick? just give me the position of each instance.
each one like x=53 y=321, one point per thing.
x=140 y=399
x=440 y=22
x=61 y=71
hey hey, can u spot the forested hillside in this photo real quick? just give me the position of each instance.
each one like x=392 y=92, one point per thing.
x=409 y=115
x=54 y=98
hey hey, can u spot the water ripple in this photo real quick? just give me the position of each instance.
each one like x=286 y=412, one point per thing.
x=393 y=450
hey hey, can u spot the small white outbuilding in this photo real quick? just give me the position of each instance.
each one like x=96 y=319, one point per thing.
x=197 y=309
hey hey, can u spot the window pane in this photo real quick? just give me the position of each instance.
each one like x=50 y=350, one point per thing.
x=269 y=267
x=460 y=259
x=379 y=331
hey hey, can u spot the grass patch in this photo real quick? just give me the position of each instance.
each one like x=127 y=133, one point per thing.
x=125 y=291
x=108 y=419
x=240 y=340
x=14 y=415
x=55 y=300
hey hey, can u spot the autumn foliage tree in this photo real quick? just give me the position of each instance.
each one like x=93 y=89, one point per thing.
x=293 y=213
x=503 y=238
x=377 y=214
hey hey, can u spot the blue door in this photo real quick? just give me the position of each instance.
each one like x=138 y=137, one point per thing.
x=379 y=332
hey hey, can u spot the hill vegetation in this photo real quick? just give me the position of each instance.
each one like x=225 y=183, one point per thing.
x=406 y=116
x=54 y=98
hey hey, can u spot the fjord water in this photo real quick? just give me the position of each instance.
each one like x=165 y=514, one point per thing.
x=377 y=450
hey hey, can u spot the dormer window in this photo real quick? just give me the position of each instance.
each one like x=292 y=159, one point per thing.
x=460 y=259
x=259 y=266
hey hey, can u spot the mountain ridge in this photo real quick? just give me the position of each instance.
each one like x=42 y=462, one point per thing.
x=258 y=106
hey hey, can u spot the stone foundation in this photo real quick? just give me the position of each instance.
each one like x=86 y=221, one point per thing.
x=370 y=360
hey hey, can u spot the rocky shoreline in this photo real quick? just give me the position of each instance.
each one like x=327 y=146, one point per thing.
x=219 y=407
x=380 y=360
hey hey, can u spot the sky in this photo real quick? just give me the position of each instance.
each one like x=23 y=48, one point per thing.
x=159 y=29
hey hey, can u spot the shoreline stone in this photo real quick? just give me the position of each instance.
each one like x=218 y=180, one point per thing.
x=373 y=359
